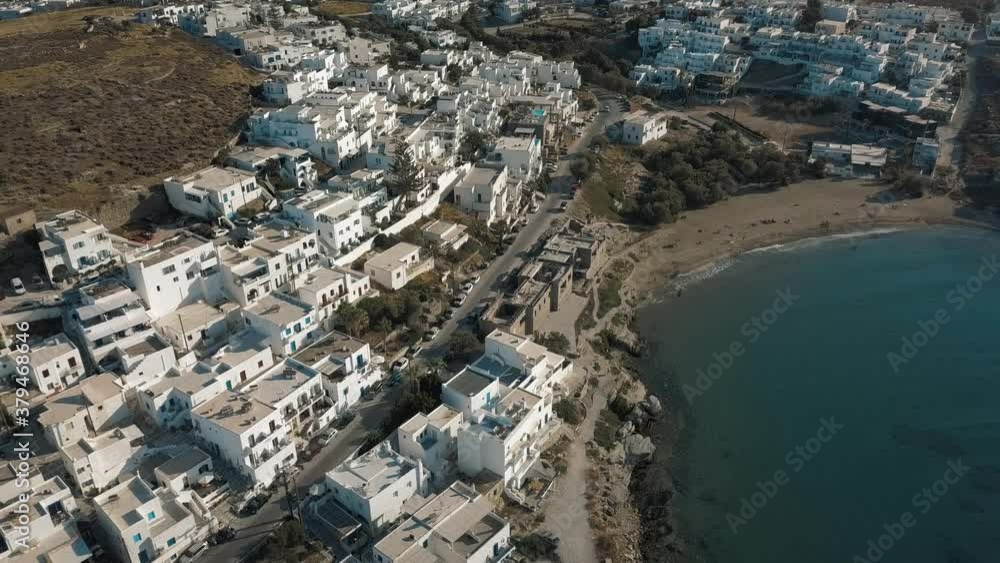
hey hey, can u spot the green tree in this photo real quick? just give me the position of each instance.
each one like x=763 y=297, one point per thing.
x=463 y=345
x=471 y=146
x=811 y=15
x=554 y=341
x=567 y=411
x=404 y=173
x=352 y=319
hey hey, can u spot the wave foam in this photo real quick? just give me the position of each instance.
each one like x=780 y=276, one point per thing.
x=813 y=241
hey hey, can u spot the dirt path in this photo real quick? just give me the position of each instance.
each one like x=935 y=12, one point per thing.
x=566 y=513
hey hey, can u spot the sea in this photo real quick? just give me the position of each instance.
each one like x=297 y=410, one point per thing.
x=837 y=400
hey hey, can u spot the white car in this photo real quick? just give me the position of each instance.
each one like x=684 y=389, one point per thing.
x=18 y=286
x=327 y=436
x=400 y=365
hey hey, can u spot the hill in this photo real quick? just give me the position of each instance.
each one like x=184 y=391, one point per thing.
x=96 y=107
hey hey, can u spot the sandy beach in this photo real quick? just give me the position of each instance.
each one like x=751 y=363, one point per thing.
x=727 y=229
x=804 y=210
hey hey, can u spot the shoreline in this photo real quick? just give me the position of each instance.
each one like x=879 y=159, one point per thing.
x=694 y=244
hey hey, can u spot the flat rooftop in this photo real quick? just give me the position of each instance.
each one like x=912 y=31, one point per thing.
x=468 y=383
x=90 y=392
x=279 y=310
x=214 y=178
x=371 y=473
x=174 y=246
x=277 y=237
x=122 y=502
x=278 y=382
x=392 y=257
x=233 y=411
x=189 y=458
x=335 y=346
x=480 y=175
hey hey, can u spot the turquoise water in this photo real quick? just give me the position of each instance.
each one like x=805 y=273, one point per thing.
x=827 y=357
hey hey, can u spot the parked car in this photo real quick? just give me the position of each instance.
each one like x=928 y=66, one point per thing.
x=563 y=206
x=327 y=436
x=400 y=365
x=224 y=534
x=253 y=505
x=467 y=286
x=458 y=300
x=449 y=313
x=414 y=351
x=18 y=286
x=431 y=333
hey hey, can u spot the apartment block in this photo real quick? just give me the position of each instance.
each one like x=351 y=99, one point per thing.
x=145 y=526
x=458 y=525
x=91 y=407
x=212 y=192
x=72 y=244
x=245 y=433
x=181 y=270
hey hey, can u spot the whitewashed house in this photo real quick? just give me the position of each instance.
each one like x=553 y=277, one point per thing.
x=181 y=270
x=145 y=526
x=212 y=192
x=54 y=364
x=395 y=267
x=73 y=244
x=247 y=434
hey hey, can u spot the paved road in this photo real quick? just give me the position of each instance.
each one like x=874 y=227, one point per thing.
x=538 y=223
x=251 y=530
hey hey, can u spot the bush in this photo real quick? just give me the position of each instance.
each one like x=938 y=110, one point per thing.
x=554 y=341
x=567 y=411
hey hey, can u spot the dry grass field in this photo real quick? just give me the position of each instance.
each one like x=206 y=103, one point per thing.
x=86 y=114
x=332 y=8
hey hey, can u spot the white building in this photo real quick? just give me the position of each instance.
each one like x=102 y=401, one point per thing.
x=220 y=16
x=485 y=193
x=503 y=435
x=335 y=217
x=181 y=270
x=247 y=434
x=73 y=244
x=295 y=167
x=432 y=439
x=52 y=535
x=275 y=254
x=92 y=407
x=54 y=364
x=109 y=316
x=286 y=323
x=458 y=525
x=445 y=234
x=327 y=288
x=522 y=156
x=641 y=128
x=346 y=365
x=212 y=192
x=145 y=526
x=168 y=401
x=298 y=393
x=395 y=267
x=97 y=462
x=374 y=486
